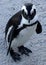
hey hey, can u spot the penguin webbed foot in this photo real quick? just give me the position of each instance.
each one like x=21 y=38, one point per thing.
x=15 y=56
x=24 y=50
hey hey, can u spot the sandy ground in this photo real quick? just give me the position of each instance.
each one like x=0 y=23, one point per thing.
x=37 y=43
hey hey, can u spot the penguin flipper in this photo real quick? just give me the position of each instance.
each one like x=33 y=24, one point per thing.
x=39 y=28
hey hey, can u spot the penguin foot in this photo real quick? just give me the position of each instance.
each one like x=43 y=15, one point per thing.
x=15 y=56
x=24 y=50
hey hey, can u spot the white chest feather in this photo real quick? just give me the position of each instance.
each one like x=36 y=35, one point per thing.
x=25 y=34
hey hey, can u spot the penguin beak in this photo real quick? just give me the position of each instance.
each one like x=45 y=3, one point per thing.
x=28 y=20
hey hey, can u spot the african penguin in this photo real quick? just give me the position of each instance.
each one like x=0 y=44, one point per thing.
x=20 y=28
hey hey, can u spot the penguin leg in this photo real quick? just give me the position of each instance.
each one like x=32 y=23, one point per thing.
x=15 y=56
x=24 y=50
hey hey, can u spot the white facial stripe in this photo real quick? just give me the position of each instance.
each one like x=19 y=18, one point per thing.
x=25 y=9
x=33 y=7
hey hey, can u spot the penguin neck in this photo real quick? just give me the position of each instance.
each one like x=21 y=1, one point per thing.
x=25 y=21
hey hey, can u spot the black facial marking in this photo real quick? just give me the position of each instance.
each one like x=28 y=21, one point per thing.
x=33 y=14
x=29 y=7
x=29 y=15
x=39 y=28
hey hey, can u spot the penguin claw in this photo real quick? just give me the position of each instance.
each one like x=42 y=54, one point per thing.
x=28 y=50
x=24 y=50
x=15 y=56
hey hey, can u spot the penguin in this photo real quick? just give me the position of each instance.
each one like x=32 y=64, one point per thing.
x=20 y=28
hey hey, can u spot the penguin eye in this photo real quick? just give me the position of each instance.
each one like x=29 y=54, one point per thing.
x=33 y=14
x=34 y=11
x=25 y=15
x=24 y=12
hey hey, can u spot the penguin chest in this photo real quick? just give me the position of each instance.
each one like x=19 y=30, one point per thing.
x=25 y=34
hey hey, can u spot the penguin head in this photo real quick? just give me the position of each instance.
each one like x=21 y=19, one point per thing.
x=28 y=11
